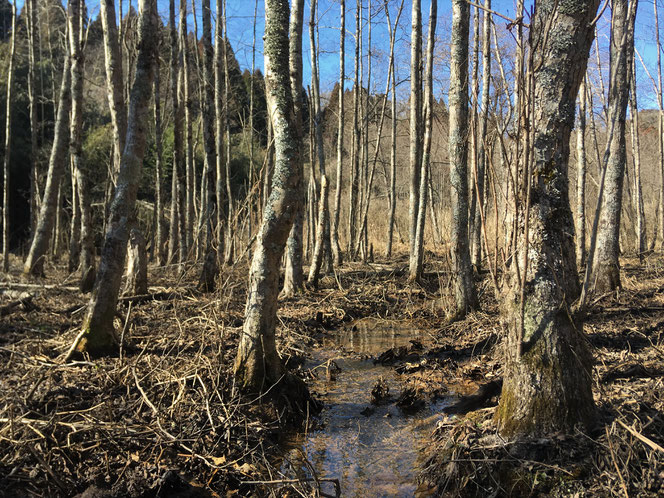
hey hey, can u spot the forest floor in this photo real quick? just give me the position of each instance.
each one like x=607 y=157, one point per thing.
x=163 y=417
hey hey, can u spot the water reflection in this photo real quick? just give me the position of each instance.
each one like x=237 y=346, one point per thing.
x=375 y=455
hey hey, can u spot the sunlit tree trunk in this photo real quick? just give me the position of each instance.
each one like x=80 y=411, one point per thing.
x=416 y=257
x=34 y=264
x=114 y=79
x=393 y=143
x=294 y=277
x=636 y=155
x=547 y=379
x=137 y=264
x=415 y=105
x=8 y=147
x=190 y=182
x=98 y=336
x=323 y=216
x=258 y=366
x=465 y=296
x=161 y=234
x=605 y=274
x=32 y=25
x=336 y=247
x=220 y=183
x=355 y=145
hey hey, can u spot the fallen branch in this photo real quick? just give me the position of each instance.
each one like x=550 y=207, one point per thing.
x=337 y=485
x=26 y=302
x=642 y=438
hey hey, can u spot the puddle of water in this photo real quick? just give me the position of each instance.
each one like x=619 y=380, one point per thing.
x=374 y=455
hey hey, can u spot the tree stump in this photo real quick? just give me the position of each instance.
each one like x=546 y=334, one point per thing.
x=137 y=264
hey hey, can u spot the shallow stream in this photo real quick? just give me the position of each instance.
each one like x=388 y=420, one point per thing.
x=373 y=450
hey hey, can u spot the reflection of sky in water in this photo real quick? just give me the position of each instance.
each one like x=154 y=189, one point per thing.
x=375 y=455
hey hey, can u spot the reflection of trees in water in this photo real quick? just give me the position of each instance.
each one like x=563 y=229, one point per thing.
x=376 y=336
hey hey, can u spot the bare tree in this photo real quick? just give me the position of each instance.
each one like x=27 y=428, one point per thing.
x=415 y=119
x=32 y=25
x=605 y=274
x=258 y=366
x=547 y=382
x=336 y=247
x=97 y=335
x=465 y=296
x=220 y=185
x=8 y=146
x=34 y=264
x=417 y=249
x=636 y=155
x=294 y=277
x=581 y=179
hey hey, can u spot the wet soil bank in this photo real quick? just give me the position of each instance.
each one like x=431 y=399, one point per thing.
x=163 y=418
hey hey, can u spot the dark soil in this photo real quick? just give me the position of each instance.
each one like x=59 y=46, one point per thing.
x=163 y=418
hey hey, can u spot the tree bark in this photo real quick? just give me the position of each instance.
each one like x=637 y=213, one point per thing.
x=547 y=386
x=641 y=244
x=258 y=366
x=581 y=179
x=336 y=247
x=114 y=79
x=465 y=296
x=415 y=120
x=417 y=256
x=220 y=183
x=32 y=24
x=190 y=182
x=98 y=335
x=161 y=234
x=606 y=272
x=294 y=277
x=8 y=147
x=34 y=264
x=323 y=217
x=137 y=265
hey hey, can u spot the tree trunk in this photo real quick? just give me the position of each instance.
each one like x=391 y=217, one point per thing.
x=32 y=24
x=581 y=179
x=323 y=216
x=465 y=296
x=208 y=141
x=480 y=173
x=547 y=386
x=415 y=121
x=636 y=155
x=159 y=182
x=34 y=264
x=190 y=182
x=98 y=336
x=8 y=147
x=294 y=277
x=416 y=258
x=606 y=272
x=137 y=265
x=336 y=247
x=114 y=80
x=258 y=366
x=393 y=143
x=219 y=131
x=355 y=145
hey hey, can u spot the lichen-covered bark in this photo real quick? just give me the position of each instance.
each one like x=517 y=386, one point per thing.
x=606 y=271
x=34 y=264
x=465 y=296
x=98 y=337
x=293 y=276
x=258 y=366
x=547 y=381
x=137 y=264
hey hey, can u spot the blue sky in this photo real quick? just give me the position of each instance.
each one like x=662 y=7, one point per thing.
x=240 y=19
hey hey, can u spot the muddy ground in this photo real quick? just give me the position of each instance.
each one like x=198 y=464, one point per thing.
x=163 y=418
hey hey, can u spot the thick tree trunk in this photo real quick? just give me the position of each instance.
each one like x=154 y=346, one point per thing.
x=8 y=147
x=415 y=120
x=416 y=257
x=605 y=275
x=334 y=235
x=34 y=264
x=114 y=79
x=294 y=277
x=465 y=296
x=258 y=366
x=581 y=179
x=547 y=386
x=98 y=336
x=137 y=265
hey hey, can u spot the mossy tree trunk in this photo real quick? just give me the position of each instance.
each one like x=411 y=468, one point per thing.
x=98 y=336
x=606 y=272
x=465 y=296
x=547 y=380
x=258 y=366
